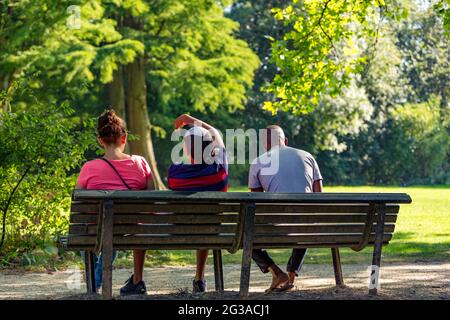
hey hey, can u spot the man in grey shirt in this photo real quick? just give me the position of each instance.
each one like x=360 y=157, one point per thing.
x=282 y=169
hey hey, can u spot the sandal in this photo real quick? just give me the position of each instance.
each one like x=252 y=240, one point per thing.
x=287 y=286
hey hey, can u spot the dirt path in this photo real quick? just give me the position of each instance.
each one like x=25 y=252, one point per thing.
x=399 y=281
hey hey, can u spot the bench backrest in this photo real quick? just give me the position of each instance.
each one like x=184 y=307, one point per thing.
x=187 y=222
x=316 y=225
x=158 y=225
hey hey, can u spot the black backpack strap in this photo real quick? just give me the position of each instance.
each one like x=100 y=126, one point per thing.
x=114 y=168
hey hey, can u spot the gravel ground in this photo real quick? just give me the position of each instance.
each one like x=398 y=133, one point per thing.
x=398 y=281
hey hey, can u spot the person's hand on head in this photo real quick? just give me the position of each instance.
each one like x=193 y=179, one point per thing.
x=182 y=120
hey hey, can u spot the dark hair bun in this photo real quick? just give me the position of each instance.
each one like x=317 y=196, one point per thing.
x=110 y=127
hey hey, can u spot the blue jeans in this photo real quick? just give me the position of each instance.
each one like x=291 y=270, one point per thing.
x=98 y=267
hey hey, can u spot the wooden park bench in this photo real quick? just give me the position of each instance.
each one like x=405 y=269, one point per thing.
x=166 y=220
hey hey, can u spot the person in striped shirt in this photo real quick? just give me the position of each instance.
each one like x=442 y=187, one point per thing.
x=206 y=169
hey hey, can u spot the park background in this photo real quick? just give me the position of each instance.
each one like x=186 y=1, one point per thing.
x=362 y=85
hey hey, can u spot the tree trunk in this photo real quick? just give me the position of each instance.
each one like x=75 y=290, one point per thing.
x=138 y=119
x=444 y=107
x=4 y=87
x=116 y=93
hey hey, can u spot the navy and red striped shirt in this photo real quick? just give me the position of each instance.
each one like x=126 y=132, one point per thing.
x=198 y=177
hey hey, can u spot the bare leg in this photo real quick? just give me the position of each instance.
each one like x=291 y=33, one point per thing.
x=291 y=276
x=278 y=277
x=139 y=259
x=202 y=256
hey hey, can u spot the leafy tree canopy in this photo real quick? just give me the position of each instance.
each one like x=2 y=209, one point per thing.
x=327 y=42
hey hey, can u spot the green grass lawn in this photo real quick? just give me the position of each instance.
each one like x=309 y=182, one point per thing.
x=422 y=233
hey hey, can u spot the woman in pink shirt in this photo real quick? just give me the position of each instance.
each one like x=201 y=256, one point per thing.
x=117 y=170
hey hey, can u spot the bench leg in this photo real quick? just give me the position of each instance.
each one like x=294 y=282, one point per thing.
x=337 y=267
x=374 y=284
x=107 y=249
x=89 y=271
x=249 y=223
x=218 y=270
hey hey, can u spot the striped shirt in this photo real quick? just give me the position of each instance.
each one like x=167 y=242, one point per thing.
x=198 y=177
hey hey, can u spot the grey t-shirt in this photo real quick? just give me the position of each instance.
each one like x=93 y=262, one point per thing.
x=284 y=169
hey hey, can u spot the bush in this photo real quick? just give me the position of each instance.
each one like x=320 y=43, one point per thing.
x=424 y=141
x=39 y=148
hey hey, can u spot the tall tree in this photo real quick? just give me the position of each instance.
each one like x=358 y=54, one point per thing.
x=24 y=26
x=426 y=58
x=168 y=54
x=189 y=55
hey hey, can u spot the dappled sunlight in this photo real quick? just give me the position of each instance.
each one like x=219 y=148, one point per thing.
x=409 y=281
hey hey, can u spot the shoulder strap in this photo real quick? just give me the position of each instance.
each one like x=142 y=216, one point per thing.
x=118 y=174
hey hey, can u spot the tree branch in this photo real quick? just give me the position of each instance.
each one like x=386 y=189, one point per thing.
x=161 y=26
x=319 y=23
x=372 y=48
x=5 y=209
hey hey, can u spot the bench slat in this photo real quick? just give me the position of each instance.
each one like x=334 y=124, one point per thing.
x=224 y=239
x=231 y=228
x=308 y=245
x=201 y=246
x=317 y=218
x=80 y=207
x=175 y=208
x=149 y=240
x=84 y=207
x=316 y=228
x=157 y=218
x=83 y=229
x=259 y=197
x=228 y=218
x=318 y=238
x=302 y=208
x=184 y=246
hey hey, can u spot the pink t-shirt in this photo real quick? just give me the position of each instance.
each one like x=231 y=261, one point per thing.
x=98 y=175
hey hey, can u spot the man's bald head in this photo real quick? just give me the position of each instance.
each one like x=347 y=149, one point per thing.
x=275 y=137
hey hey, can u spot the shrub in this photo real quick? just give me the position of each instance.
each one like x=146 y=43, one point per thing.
x=40 y=146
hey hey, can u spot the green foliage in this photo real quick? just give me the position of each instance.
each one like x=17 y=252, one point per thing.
x=353 y=134
x=426 y=62
x=407 y=145
x=194 y=61
x=319 y=131
x=423 y=144
x=40 y=146
x=442 y=7
x=322 y=49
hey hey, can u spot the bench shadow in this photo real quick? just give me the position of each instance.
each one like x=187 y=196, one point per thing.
x=331 y=293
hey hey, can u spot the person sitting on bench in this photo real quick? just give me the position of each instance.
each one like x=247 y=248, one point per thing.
x=117 y=170
x=206 y=170
x=282 y=169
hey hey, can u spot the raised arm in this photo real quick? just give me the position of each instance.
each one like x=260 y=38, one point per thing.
x=185 y=119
